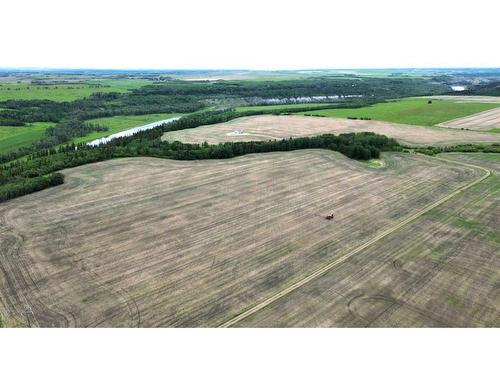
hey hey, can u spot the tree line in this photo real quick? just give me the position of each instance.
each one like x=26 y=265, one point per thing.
x=22 y=177
x=175 y=96
x=36 y=171
x=29 y=185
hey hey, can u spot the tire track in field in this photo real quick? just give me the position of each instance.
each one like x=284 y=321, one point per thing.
x=321 y=271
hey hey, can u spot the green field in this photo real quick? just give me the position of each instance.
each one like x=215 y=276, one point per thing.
x=119 y=123
x=66 y=92
x=412 y=111
x=280 y=106
x=14 y=137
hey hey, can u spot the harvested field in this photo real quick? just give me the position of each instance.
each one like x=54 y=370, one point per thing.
x=152 y=242
x=258 y=128
x=468 y=98
x=486 y=120
x=443 y=270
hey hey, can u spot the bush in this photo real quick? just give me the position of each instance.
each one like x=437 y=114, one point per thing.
x=29 y=185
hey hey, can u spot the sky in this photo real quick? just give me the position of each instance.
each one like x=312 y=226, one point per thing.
x=265 y=35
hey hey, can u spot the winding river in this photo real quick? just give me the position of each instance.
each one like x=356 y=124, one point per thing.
x=131 y=131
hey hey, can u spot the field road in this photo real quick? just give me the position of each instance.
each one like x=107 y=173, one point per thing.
x=238 y=318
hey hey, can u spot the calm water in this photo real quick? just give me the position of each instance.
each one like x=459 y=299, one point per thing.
x=131 y=131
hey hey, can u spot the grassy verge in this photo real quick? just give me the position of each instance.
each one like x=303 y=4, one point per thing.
x=412 y=111
x=373 y=163
x=14 y=137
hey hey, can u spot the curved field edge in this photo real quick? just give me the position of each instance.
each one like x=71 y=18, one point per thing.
x=483 y=121
x=198 y=247
x=411 y=111
x=441 y=271
x=323 y=270
x=267 y=127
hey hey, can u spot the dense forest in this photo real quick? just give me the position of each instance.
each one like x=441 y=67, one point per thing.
x=175 y=96
x=486 y=89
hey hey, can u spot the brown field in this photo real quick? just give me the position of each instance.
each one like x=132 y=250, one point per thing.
x=468 y=98
x=152 y=242
x=486 y=120
x=443 y=270
x=258 y=128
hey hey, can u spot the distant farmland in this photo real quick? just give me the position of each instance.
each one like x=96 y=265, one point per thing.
x=258 y=128
x=13 y=137
x=151 y=242
x=412 y=111
x=65 y=92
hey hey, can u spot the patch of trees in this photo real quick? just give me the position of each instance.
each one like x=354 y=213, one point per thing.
x=22 y=177
x=67 y=130
x=360 y=146
x=432 y=150
x=29 y=185
x=8 y=122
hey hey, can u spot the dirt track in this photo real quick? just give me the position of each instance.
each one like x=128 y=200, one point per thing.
x=151 y=242
x=323 y=270
x=258 y=128
x=442 y=270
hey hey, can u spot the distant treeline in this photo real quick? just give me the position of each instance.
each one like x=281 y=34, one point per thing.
x=295 y=88
x=9 y=122
x=486 y=89
x=175 y=96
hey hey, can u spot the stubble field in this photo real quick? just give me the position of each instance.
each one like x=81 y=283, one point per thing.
x=150 y=242
x=440 y=271
x=259 y=128
x=487 y=120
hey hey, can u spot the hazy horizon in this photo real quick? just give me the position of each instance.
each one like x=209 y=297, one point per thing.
x=306 y=70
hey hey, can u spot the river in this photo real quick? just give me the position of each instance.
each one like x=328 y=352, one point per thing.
x=129 y=132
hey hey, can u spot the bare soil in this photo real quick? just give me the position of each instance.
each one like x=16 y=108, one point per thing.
x=486 y=120
x=152 y=242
